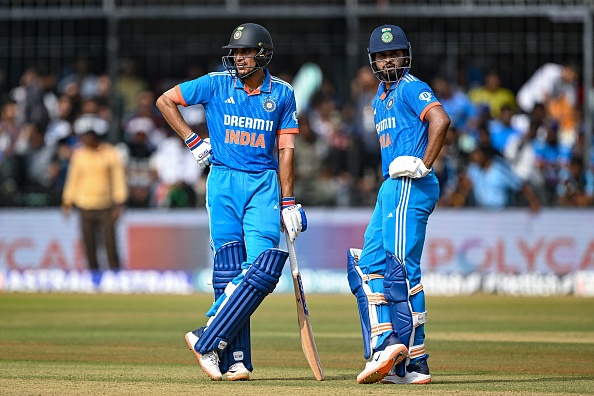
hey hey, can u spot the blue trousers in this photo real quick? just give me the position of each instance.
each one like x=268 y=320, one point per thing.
x=398 y=225
x=244 y=207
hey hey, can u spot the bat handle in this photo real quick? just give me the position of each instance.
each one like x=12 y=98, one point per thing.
x=292 y=255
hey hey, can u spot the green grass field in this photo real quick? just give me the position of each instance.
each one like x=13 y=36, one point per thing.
x=63 y=344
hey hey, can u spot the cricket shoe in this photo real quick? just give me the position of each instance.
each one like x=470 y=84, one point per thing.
x=208 y=361
x=416 y=373
x=238 y=372
x=391 y=352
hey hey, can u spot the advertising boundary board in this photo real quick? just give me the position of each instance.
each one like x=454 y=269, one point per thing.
x=466 y=251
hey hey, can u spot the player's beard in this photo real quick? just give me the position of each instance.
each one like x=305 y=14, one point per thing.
x=389 y=74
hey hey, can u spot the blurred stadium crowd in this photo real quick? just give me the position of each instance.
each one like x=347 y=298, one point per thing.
x=503 y=148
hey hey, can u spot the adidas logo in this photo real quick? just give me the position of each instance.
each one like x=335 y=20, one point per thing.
x=230 y=100
x=390 y=215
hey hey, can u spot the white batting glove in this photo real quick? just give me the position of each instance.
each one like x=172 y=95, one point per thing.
x=408 y=166
x=200 y=148
x=293 y=218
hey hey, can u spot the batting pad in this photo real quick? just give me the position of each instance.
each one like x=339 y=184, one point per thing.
x=259 y=281
x=227 y=265
x=367 y=301
x=401 y=314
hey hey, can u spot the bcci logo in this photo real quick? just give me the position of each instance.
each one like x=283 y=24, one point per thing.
x=238 y=33
x=387 y=36
x=426 y=96
x=269 y=105
x=389 y=103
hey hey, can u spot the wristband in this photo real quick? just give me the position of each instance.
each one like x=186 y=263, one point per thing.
x=192 y=141
x=287 y=201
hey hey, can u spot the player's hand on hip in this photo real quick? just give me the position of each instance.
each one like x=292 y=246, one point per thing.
x=204 y=153
x=201 y=149
x=293 y=218
x=408 y=166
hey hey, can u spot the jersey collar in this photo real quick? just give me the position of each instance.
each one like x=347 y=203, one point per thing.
x=266 y=86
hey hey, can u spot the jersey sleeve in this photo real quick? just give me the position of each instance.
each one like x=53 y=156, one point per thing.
x=288 y=121
x=420 y=98
x=196 y=91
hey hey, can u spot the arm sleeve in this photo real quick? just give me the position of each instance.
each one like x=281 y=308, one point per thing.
x=286 y=140
x=196 y=91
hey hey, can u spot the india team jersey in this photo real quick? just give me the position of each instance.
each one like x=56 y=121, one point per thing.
x=399 y=119
x=243 y=127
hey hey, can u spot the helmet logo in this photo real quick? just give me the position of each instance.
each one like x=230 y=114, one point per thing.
x=269 y=105
x=237 y=34
x=387 y=36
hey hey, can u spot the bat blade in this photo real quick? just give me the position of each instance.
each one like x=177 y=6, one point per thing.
x=308 y=343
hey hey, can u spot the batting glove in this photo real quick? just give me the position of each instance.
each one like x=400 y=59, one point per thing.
x=293 y=218
x=200 y=148
x=408 y=166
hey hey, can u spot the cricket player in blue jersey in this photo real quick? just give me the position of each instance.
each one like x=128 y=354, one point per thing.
x=385 y=275
x=248 y=197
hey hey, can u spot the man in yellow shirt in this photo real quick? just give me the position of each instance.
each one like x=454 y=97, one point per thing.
x=96 y=185
x=492 y=95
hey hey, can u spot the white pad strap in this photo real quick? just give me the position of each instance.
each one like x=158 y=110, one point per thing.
x=379 y=328
x=376 y=298
x=373 y=301
x=415 y=289
x=419 y=318
x=369 y=277
x=416 y=351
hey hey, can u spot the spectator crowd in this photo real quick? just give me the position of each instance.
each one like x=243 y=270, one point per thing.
x=503 y=148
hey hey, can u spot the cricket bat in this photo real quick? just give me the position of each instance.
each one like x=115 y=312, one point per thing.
x=307 y=338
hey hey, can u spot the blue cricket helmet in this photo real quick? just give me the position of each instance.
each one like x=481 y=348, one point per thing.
x=387 y=38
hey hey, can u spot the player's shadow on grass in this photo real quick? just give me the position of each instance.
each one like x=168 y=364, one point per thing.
x=343 y=377
x=338 y=377
x=436 y=379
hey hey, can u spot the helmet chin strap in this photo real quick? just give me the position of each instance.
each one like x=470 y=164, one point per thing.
x=241 y=77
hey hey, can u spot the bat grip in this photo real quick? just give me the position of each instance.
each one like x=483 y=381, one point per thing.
x=292 y=255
